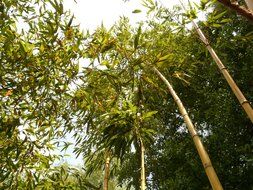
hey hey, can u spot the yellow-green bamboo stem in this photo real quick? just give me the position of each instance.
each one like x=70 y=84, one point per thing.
x=107 y=173
x=143 y=176
x=242 y=100
x=211 y=174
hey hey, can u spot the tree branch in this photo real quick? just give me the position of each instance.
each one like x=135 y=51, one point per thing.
x=239 y=9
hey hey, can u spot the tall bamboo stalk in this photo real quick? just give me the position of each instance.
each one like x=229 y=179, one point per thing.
x=107 y=172
x=143 y=175
x=210 y=172
x=142 y=147
x=243 y=101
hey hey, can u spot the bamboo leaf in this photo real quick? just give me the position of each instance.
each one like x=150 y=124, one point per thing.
x=219 y=15
x=136 y=11
x=226 y=20
x=137 y=38
x=70 y=21
x=216 y=25
x=148 y=114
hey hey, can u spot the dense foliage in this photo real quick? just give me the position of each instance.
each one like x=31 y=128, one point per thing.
x=39 y=52
x=116 y=106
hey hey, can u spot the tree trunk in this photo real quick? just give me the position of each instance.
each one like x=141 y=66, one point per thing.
x=239 y=9
x=243 y=101
x=143 y=176
x=211 y=174
x=107 y=172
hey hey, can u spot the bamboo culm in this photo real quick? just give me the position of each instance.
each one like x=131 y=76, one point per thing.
x=243 y=101
x=143 y=176
x=107 y=173
x=241 y=98
x=211 y=174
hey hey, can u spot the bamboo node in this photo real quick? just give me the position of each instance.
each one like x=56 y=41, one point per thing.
x=206 y=42
x=177 y=100
x=244 y=102
x=207 y=165
x=223 y=68
x=185 y=114
x=195 y=135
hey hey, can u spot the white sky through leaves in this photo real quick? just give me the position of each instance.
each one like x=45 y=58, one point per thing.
x=91 y=13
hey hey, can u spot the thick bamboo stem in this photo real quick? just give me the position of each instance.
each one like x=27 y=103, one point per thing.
x=143 y=175
x=211 y=174
x=107 y=173
x=243 y=101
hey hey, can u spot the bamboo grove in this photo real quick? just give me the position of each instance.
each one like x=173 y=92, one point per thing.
x=134 y=99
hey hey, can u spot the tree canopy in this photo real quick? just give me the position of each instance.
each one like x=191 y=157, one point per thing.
x=122 y=117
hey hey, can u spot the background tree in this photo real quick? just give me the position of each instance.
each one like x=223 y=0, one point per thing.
x=39 y=52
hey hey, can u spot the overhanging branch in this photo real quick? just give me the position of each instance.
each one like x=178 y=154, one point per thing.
x=239 y=9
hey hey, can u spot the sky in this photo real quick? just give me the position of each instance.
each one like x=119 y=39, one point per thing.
x=90 y=14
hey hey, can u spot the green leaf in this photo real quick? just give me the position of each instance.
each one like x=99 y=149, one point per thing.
x=70 y=21
x=219 y=15
x=164 y=58
x=137 y=38
x=216 y=25
x=226 y=20
x=148 y=114
x=136 y=11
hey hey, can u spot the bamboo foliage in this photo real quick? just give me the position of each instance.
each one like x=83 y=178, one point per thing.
x=116 y=124
x=210 y=172
x=241 y=98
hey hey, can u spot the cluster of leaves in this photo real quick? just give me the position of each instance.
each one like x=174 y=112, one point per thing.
x=39 y=52
x=117 y=104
